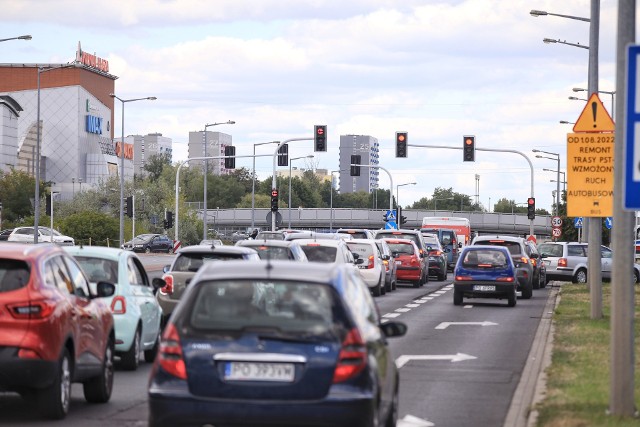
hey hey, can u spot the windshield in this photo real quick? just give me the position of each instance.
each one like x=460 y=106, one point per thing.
x=277 y=307
x=273 y=252
x=401 y=248
x=98 y=269
x=143 y=237
x=320 y=253
x=192 y=261
x=47 y=231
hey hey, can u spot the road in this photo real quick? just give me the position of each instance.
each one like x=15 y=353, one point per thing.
x=460 y=365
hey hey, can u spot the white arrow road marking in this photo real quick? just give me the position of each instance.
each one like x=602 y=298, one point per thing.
x=411 y=421
x=445 y=325
x=406 y=358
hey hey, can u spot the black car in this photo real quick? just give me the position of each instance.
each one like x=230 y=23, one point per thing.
x=150 y=243
x=276 y=343
x=4 y=234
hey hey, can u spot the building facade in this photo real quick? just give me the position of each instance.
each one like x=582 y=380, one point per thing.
x=147 y=146
x=368 y=148
x=216 y=143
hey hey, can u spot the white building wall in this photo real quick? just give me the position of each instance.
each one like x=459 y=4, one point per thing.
x=8 y=138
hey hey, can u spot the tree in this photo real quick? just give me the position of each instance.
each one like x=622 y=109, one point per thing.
x=95 y=227
x=156 y=163
x=16 y=194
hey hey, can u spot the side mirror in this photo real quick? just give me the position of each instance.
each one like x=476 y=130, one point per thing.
x=105 y=289
x=158 y=283
x=166 y=268
x=534 y=256
x=396 y=254
x=359 y=261
x=393 y=329
x=386 y=257
x=355 y=255
x=460 y=245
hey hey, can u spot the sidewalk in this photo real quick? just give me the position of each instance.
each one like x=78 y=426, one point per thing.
x=531 y=388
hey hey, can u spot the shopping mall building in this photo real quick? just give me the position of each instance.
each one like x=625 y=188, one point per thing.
x=75 y=125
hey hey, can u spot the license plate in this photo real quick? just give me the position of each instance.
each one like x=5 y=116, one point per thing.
x=431 y=258
x=398 y=262
x=259 y=371
x=484 y=288
x=547 y=262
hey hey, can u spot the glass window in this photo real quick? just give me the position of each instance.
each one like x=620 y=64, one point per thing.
x=78 y=279
x=550 y=250
x=60 y=273
x=576 y=250
x=99 y=269
x=606 y=253
x=320 y=253
x=273 y=252
x=134 y=274
x=14 y=274
x=192 y=261
x=402 y=248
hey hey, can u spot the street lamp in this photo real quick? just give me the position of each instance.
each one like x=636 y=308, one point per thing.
x=435 y=202
x=574 y=98
x=547 y=41
x=557 y=158
x=310 y=156
x=608 y=92
x=253 y=182
x=536 y=13
x=123 y=101
x=206 y=162
x=564 y=122
x=27 y=37
x=398 y=193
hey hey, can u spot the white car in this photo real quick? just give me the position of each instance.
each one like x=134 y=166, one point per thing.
x=369 y=262
x=45 y=235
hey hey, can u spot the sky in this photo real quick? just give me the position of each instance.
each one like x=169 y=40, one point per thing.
x=436 y=69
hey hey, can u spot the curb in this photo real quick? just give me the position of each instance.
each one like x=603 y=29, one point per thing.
x=532 y=386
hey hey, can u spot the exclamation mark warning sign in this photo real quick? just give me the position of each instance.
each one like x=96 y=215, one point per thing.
x=594 y=117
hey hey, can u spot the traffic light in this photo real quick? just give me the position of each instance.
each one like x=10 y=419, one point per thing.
x=401 y=219
x=320 y=137
x=469 y=148
x=230 y=162
x=274 y=200
x=384 y=215
x=401 y=144
x=128 y=206
x=283 y=155
x=48 y=205
x=531 y=208
x=355 y=165
x=169 y=219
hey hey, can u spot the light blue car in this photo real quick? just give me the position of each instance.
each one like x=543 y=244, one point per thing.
x=136 y=312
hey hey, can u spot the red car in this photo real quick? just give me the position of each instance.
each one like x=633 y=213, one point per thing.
x=54 y=330
x=409 y=265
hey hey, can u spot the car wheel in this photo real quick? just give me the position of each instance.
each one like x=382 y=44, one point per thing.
x=131 y=359
x=377 y=291
x=147 y=250
x=536 y=283
x=527 y=291
x=387 y=286
x=457 y=297
x=98 y=389
x=426 y=277
x=543 y=281
x=383 y=288
x=392 y=418
x=580 y=276
x=417 y=283
x=150 y=355
x=636 y=276
x=394 y=284
x=512 y=298
x=442 y=276
x=54 y=400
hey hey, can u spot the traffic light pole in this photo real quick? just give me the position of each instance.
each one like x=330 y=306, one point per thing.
x=274 y=182
x=177 y=222
x=390 y=180
x=494 y=150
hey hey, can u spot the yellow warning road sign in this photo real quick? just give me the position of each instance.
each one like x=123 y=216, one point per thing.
x=594 y=117
x=590 y=174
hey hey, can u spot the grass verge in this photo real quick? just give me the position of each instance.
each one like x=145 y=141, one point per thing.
x=578 y=378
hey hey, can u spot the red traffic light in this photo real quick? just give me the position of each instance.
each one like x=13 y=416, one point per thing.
x=468 y=141
x=531 y=201
x=274 y=193
x=401 y=137
x=320 y=130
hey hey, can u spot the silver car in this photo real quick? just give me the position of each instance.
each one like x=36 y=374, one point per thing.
x=567 y=261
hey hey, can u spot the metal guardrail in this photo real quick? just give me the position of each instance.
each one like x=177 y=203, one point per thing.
x=320 y=218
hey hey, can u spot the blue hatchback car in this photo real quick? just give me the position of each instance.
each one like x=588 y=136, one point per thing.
x=275 y=343
x=484 y=271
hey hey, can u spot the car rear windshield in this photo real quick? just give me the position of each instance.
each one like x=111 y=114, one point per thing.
x=401 y=248
x=362 y=249
x=550 y=250
x=276 y=307
x=355 y=234
x=320 y=253
x=98 y=269
x=273 y=252
x=484 y=258
x=514 y=247
x=14 y=274
x=194 y=260
x=396 y=235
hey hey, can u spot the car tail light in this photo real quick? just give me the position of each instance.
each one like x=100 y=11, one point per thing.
x=435 y=253
x=32 y=310
x=167 y=289
x=372 y=262
x=170 y=356
x=118 y=305
x=386 y=264
x=524 y=260
x=25 y=353
x=504 y=279
x=352 y=358
x=463 y=278
x=533 y=262
x=562 y=262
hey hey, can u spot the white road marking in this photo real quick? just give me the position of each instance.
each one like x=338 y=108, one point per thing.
x=445 y=325
x=412 y=305
x=402 y=310
x=392 y=315
x=411 y=421
x=458 y=357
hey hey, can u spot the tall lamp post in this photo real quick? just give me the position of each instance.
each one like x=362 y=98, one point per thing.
x=310 y=156
x=123 y=101
x=398 y=193
x=36 y=199
x=563 y=181
x=204 y=210
x=27 y=37
x=608 y=92
x=253 y=183
x=556 y=158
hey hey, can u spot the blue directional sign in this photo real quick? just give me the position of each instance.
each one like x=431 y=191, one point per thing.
x=631 y=193
x=391 y=215
x=608 y=222
x=577 y=222
x=391 y=225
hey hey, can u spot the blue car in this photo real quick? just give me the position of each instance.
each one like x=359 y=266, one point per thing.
x=136 y=312
x=484 y=271
x=275 y=343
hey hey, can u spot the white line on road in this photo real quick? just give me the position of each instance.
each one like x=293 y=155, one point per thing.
x=402 y=310
x=391 y=315
x=458 y=357
x=411 y=421
x=445 y=325
x=412 y=305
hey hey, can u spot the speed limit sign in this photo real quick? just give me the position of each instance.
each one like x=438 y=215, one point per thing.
x=556 y=232
x=556 y=221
